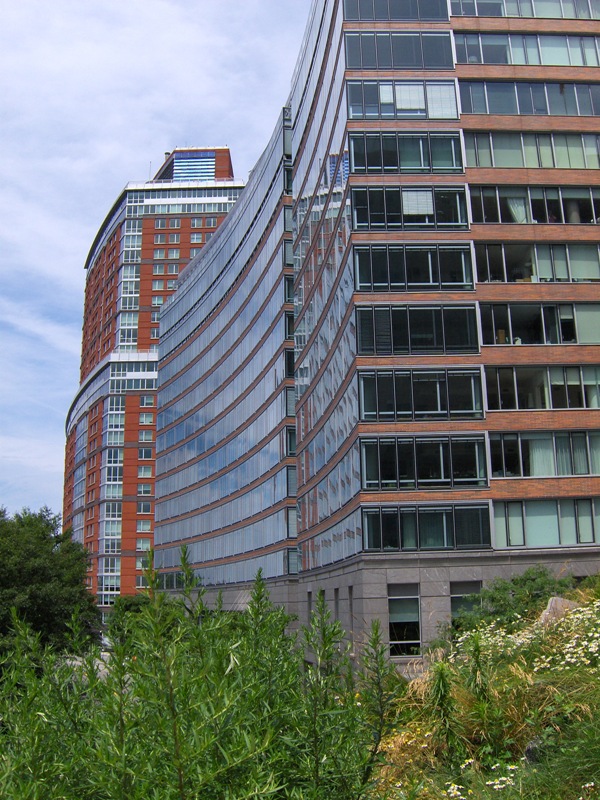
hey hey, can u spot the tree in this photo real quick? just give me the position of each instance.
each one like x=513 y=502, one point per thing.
x=508 y=601
x=42 y=577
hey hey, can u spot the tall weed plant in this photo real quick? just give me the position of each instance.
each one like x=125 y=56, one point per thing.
x=194 y=703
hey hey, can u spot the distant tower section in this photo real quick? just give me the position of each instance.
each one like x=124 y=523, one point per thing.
x=151 y=233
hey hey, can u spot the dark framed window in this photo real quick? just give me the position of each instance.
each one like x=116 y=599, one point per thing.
x=396 y=330
x=398 y=50
x=390 y=464
x=366 y=10
x=404 y=619
x=389 y=208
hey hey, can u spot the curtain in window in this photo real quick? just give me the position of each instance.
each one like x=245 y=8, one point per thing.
x=554 y=51
x=544 y=262
x=518 y=207
x=542 y=523
x=584 y=262
x=594 y=439
x=541 y=454
x=580 y=457
x=435 y=528
x=588 y=330
x=584 y=520
x=564 y=464
x=508 y=151
x=441 y=101
x=410 y=99
x=568 y=522
x=417 y=202
x=591 y=386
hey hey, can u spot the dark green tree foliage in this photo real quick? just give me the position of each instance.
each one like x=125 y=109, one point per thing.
x=196 y=704
x=506 y=602
x=42 y=577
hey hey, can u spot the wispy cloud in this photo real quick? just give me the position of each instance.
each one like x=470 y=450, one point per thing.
x=93 y=94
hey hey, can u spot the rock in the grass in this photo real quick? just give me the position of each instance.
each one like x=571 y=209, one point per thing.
x=557 y=608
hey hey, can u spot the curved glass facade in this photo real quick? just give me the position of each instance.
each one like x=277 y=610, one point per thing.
x=408 y=450
x=226 y=432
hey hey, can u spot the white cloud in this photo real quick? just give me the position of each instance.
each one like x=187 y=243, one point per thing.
x=93 y=94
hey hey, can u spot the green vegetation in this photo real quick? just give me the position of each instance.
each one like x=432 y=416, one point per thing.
x=42 y=578
x=200 y=704
x=195 y=704
x=508 y=709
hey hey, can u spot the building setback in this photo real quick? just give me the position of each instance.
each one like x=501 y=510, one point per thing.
x=443 y=214
x=150 y=234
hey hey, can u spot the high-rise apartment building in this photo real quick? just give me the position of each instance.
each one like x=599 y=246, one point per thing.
x=149 y=235
x=444 y=211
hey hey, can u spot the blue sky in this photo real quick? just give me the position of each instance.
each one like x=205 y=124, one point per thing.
x=93 y=94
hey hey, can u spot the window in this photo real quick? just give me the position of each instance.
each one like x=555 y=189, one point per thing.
x=552 y=50
x=508 y=97
x=174 y=222
x=173 y=252
x=160 y=238
x=145 y=472
x=404 y=619
x=391 y=330
x=382 y=10
x=157 y=300
x=398 y=51
x=394 y=208
x=546 y=523
x=401 y=100
x=288 y=289
x=532 y=323
x=143 y=545
x=195 y=251
x=582 y=9
x=540 y=262
x=210 y=222
x=196 y=222
x=145 y=453
x=542 y=387
x=173 y=269
x=160 y=223
x=143 y=525
x=461 y=599
x=527 y=204
x=154 y=333
x=412 y=268
x=142 y=562
x=533 y=150
x=144 y=507
x=174 y=238
x=159 y=253
x=146 y=400
x=290 y=441
x=289 y=325
x=158 y=269
x=144 y=489
x=544 y=454
x=403 y=463
x=196 y=238
x=426 y=528
x=157 y=286
x=415 y=152
x=289 y=363
x=146 y=436
x=171 y=285
x=419 y=394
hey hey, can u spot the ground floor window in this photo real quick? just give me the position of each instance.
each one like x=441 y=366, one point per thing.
x=404 y=619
